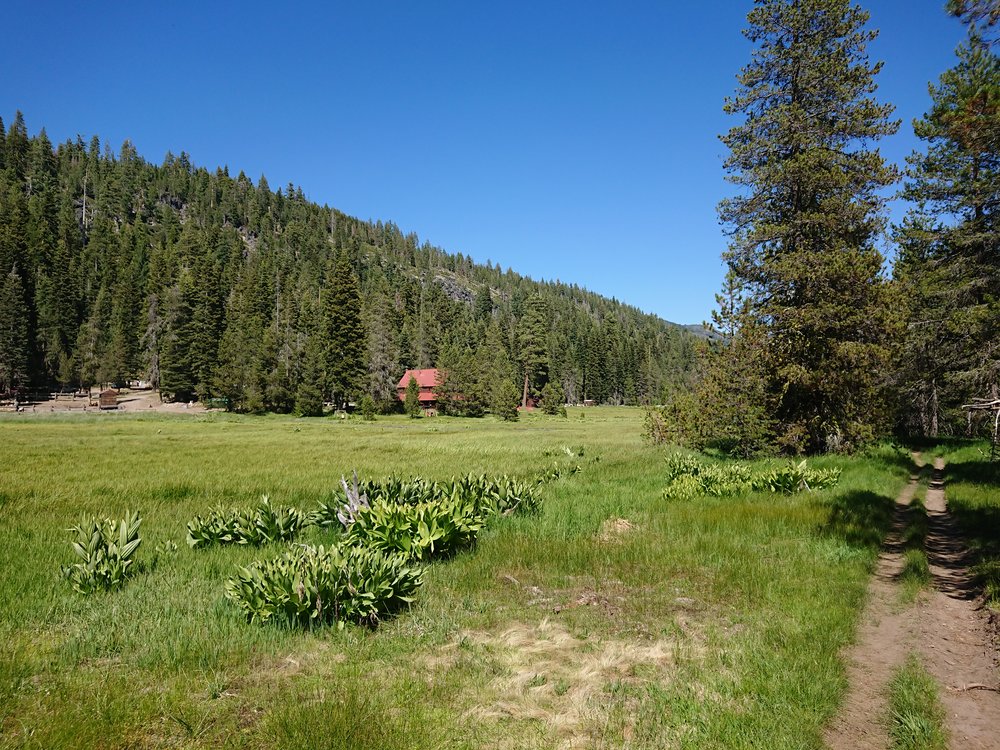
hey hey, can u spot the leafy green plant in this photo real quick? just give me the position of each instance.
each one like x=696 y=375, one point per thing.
x=106 y=549
x=262 y=524
x=501 y=495
x=429 y=529
x=687 y=477
x=795 y=478
x=317 y=585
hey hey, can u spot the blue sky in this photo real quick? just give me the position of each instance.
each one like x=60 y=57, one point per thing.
x=567 y=140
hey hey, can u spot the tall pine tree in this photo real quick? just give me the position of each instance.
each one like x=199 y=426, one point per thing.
x=949 y=264
x=346 y=365
x=803 y=257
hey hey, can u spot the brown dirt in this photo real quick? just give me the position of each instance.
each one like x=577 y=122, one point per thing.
x=129 y=402
x=946 y=627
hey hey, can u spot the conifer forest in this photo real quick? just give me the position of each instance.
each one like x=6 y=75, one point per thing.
x=211 y=286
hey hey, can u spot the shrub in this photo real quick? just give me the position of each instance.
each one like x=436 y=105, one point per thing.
x=107 y=550
x=316 y=586
x=368 y=410
x=255 y=526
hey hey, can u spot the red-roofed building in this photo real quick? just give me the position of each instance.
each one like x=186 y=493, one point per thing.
x=427 y=381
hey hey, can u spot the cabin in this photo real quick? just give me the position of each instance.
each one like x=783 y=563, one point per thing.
x=427 y=381
x=108 y=399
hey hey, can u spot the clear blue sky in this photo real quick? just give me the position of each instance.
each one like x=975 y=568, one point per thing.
x=567 y=140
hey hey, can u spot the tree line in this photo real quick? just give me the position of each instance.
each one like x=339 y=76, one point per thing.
x=822 y=349
x=216 y=287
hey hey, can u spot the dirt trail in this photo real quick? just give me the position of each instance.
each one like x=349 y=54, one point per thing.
x=955 y=644
x=946 y=627
x=885 y=636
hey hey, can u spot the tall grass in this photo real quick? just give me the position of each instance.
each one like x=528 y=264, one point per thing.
x=705 y=623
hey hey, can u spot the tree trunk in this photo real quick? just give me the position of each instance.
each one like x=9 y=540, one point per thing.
x=934 y=409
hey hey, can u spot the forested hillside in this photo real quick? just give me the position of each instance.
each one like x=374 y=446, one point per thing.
x=210 y=285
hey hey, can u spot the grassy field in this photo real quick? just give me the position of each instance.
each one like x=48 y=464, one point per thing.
x=613 y=618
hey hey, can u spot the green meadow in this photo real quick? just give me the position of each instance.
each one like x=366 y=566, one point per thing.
x=611 y=618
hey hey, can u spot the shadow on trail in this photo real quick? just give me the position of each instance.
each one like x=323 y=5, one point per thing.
x=947 y=554
x=859 y=518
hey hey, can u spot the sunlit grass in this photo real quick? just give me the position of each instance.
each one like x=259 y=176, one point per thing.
x=725 y=617
x=917 y=717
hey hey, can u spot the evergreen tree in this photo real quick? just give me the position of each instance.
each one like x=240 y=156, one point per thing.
x=949 y=264
x=802 y=256
x=534 y=355
x=346 y=368
x=383 y=351
x=483 y=304
x=411 y=403
x=552 y=398
x=309 y=395
x=13 y=334
x=983 y=15
x=503 y=401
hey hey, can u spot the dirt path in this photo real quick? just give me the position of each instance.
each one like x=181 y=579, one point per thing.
x=945 y=627
x=885 y=636
x=955 y=645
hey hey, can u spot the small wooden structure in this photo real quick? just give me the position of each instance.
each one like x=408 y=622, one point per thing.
x=988 y=404
x=108 y=399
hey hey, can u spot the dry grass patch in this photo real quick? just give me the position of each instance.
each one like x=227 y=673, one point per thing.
x=548 y=676
x=613 y=529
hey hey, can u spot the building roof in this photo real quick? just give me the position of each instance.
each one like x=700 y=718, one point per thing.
x=426 y=379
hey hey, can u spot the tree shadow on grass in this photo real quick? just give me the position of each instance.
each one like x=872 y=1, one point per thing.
x=978 y=515
x=978 y=472
x=859 y=518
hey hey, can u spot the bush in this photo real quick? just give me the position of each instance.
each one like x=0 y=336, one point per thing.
x=368 y=410
x=107 y=550
x=316 y=586
x=255 y=526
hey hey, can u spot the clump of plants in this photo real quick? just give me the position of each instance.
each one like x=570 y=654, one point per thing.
x=497 y=495
x=106 y=549
x=688 y=476
x=317 y=586
x=256 y=526
x=419 y=532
